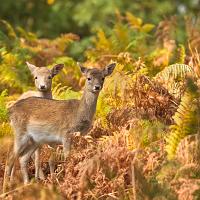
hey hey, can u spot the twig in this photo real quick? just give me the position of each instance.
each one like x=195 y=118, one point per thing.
x=5 y=178
x=109 y=194
x=174 y=102
x=15 y=190
x=133 y=174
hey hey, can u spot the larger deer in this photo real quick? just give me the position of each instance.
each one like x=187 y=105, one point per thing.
x=38 y=121
x=43 y=83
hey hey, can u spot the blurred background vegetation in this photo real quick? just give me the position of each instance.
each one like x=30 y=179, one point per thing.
x=94 y=31
x=151 y=101
x=50 y=18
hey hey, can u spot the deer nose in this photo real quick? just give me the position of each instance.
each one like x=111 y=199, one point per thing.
x=97 y=87
x=42 y=87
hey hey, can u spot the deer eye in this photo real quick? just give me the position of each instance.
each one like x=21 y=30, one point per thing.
x=36 y=77
x=49 y=77
x=89 y=79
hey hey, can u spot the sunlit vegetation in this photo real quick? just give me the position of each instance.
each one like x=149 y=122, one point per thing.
x=146 y=110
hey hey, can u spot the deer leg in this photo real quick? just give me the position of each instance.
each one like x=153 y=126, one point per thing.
x=12 y=173
x=8 y=171
x=38 y=170
x=66 y=146
x=18 y=150
x=14 y=155
x=24 y=160
x=52 y=160
x=10 y=165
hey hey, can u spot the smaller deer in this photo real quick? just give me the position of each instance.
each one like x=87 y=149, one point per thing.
x=43 y=82
x=38 y=121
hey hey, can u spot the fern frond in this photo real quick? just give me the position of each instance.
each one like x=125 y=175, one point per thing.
x=181 y=54
x=134 y=22
x=5 y=129
x=102 y=42
x=121 y=33
x=186 y=121
x=29 y=36
x=10 y=31
x=3 y=109
x=58 y=89
x=64 y=93
x=173 y=77
x=174 y=71
x=65 y=39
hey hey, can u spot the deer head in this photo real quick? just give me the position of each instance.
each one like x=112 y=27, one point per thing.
x=43 y=76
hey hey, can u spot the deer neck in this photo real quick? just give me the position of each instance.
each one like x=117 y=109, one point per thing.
x=45 y=94
x=87 y=107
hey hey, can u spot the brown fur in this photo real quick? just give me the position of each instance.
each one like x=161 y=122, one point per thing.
x=43 y=77
x=39 y=121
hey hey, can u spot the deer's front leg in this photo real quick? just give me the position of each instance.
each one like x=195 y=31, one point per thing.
x=66 y=146
x=24 y=160
x=52 y=159
x=38 y=169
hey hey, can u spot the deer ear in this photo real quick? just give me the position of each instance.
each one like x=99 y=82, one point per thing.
x=31 y=67
x=109 y=69
x=56 y=69
x=83 y=69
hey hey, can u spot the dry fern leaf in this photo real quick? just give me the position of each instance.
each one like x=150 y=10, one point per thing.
x=174 y=71
x=173 y=77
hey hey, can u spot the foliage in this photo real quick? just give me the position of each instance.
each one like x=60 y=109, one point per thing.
x=94 y=171
x=129 y=29
x=175 y=71
x=73 y=16
x=18 y=46
x=64 y=93
x=5 y=128
x=3 y=109
x=12 y=59
x=70 y=75
x=144 y=133
x=181 y=54
x=123 y=155
x=173 y=78
x=186 y=119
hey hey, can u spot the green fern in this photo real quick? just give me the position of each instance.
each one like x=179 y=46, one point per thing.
x=5 y=129
x=186 y=120
x=102 y=110
x=132 y=31
x=3 y=109
x=14 y=74
x=174 y=71
x=181 y=54
x=64 y=93
x=173 y=77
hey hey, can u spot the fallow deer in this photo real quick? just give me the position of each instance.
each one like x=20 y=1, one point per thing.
x=37 y=121
x=43 y=83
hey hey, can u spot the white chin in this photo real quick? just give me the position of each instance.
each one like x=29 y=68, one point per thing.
x=96 y=91
x=42 y=90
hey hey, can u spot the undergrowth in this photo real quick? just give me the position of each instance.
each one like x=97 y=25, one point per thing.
x=146 y=108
